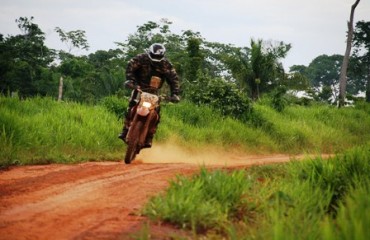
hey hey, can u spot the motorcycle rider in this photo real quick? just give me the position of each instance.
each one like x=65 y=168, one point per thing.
x=148 y=71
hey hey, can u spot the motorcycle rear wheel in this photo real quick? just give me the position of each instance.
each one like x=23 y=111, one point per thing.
x=133 y=142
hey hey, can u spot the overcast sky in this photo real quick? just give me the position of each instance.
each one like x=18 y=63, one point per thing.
x=313 y=27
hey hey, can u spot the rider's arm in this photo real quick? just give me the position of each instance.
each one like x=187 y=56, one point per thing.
x=173 y=81
x=131 y=79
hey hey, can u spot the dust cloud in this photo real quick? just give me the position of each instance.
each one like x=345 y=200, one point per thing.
x=172 y=153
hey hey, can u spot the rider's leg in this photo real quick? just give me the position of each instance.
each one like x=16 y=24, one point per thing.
x=152 y=130
x=126 y=124
x=128 y=118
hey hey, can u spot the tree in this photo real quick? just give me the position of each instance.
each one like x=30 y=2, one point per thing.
x=228 y=62
x=256 y=69
x=108 y=71
x=323 y=73
x=267 y=72
x=25 y=61
x=343 y=72
x=153 y=32
x=146 y=34
x=296 y=81
x=195 y=58
x=73 y=39
x=361 y=43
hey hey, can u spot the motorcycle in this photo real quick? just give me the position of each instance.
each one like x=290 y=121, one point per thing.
x=144 y=118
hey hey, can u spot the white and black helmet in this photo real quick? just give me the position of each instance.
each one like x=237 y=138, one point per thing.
x=156 y=52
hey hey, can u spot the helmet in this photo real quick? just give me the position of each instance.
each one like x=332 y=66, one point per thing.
x=156 y=52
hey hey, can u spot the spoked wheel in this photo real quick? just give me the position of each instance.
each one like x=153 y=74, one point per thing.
x=133 y=142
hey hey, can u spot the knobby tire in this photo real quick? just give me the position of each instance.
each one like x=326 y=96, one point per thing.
x=133 y=142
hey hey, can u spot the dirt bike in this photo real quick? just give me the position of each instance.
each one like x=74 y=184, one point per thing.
x=144 y=117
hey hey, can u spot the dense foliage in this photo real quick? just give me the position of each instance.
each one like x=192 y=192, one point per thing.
x=30 y=68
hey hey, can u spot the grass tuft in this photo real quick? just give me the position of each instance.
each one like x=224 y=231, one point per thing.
x=206 y=201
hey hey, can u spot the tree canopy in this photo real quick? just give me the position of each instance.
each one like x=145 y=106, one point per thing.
x=30 y=68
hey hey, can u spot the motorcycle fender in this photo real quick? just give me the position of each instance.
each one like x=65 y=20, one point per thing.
x=135 y=119
x=145 y=129
x=132 y=124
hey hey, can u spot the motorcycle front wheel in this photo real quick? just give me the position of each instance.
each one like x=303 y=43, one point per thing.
x=133 y=142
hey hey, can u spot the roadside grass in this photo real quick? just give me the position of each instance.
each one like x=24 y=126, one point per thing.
x=310 y=199
x=201 y=126
x=323 y=128
x=353 y=216
x=42 y=130
x=297 y=129
x=205 y=201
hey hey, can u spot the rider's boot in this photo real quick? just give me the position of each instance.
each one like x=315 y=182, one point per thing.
x=150 y=135
x=123 y=134
x=125 y=128
x=148 y=141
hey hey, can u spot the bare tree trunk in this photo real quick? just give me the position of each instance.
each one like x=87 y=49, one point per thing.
x=343 y=71
x=60 y=95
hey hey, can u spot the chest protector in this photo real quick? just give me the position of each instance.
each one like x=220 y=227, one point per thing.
x=155 y=82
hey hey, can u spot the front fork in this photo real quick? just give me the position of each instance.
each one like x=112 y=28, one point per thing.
x=149 y=123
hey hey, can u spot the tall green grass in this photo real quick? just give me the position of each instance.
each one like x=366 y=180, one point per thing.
x=311 y=199
x=353 y=219
x=322 y=127
x=193 y=125
x=42 y=130
x=297 y=129
x=312 y=192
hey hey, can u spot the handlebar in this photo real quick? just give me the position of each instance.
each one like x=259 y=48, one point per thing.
x=174 y=98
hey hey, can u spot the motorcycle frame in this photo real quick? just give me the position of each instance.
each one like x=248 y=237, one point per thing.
x=148 y=120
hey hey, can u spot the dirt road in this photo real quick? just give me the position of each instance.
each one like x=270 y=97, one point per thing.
x=96 y=200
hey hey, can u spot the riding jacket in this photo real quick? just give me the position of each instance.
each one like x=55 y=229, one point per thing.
x=142 y=71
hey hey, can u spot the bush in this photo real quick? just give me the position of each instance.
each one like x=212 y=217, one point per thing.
x=220 y=95
x=278 y=99
x=115 y=105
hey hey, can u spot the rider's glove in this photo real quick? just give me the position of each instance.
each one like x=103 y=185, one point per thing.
x=130 y=84
x=174 y=98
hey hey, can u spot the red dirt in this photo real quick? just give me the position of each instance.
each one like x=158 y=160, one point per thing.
x=97 y=200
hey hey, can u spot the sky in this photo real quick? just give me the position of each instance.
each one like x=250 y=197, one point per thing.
x=312 y=27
